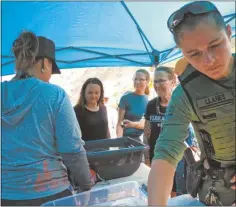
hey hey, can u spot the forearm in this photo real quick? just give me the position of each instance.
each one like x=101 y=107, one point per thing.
x=160 y=182
x=119 y=130
x=139 y=124
x=78 y=167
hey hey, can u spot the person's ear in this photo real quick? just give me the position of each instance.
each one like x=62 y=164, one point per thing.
x=47 y=64
x=174 y=82
x=43 y=69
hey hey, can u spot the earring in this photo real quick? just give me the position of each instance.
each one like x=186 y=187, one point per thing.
x=42 y=70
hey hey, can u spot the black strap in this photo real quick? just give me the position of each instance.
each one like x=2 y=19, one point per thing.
x=190 y=77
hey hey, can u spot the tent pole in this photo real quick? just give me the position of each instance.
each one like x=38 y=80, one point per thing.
x=136 y=23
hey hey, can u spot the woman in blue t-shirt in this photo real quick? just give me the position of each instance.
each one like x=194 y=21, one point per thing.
x=132 y=107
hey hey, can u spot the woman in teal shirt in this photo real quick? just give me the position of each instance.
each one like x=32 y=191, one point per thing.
x=132 y=107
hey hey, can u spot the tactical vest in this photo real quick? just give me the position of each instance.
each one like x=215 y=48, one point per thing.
x=214 y=107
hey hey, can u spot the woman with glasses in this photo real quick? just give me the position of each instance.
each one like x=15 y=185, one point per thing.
x=132 y=107
x=164 y=83
x=206 y=98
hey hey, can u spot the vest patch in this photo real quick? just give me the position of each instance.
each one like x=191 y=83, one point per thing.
x=215 y=101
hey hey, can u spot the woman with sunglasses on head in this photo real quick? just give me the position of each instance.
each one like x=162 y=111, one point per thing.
x=206 y=98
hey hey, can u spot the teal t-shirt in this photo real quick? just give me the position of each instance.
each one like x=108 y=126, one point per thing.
x=135 y=107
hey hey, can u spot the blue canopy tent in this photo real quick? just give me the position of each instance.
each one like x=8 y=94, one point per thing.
x=98 y=34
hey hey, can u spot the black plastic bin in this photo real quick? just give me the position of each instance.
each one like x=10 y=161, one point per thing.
x=115 y=158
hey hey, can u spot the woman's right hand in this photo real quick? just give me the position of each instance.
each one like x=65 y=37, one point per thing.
x=128 y=124
x=125 y=121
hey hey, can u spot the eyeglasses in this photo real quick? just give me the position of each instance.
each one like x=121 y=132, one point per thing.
x=161 y=81
x=140 y=80
x=197 y=7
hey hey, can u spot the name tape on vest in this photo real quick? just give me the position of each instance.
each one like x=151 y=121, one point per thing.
x=216 y=101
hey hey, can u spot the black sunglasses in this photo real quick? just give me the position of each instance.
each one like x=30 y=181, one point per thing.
x=197 y=7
